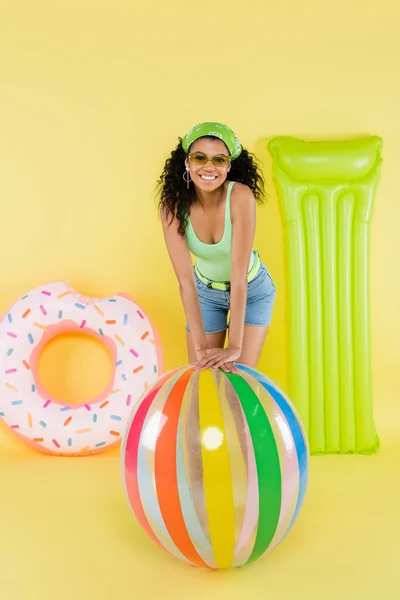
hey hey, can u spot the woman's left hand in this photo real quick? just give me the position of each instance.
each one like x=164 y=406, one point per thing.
x=223 y=358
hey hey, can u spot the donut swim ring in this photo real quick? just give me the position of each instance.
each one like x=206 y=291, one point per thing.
x=48 y=424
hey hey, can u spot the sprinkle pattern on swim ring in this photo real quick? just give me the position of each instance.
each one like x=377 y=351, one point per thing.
x=44 y=421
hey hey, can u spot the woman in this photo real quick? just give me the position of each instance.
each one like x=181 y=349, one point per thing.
x=209 y=187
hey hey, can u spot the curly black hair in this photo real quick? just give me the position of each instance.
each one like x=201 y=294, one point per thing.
x=176 y=199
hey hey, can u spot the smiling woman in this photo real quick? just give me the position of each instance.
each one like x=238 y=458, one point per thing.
x=208 y=193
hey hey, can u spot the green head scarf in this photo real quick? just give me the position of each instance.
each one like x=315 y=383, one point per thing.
x=217 y=130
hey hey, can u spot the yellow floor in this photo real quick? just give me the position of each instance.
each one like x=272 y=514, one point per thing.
x=67 y=533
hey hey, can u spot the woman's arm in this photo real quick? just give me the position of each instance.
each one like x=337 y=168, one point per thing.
x=243 y=215
x=182 y=263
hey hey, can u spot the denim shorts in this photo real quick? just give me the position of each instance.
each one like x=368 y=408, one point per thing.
x=215 y=304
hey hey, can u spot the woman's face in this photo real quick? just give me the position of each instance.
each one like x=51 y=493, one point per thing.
x=208 y=176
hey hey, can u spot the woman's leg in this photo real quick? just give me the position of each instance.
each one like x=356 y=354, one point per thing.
x=253 y=341
x=259 y=308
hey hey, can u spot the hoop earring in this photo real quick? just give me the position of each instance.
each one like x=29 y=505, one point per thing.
x=187 y=178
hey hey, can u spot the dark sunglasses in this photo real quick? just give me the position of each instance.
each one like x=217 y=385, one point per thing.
x=219 y=160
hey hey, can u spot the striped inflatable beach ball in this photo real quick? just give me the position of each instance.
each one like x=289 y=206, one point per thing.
x=215 y=465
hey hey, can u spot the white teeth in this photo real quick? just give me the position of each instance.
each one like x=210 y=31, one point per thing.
x=208 y=178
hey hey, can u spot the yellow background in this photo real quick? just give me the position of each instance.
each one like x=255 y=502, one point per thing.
x=93 y=96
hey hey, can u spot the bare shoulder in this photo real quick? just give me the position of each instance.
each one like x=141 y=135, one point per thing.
x=169 y=221
x=166 y=216
x=242 y=200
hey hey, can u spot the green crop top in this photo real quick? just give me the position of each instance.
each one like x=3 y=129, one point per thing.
x=214 y=260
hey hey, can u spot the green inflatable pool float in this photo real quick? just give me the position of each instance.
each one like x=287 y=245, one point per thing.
x=326 y=193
